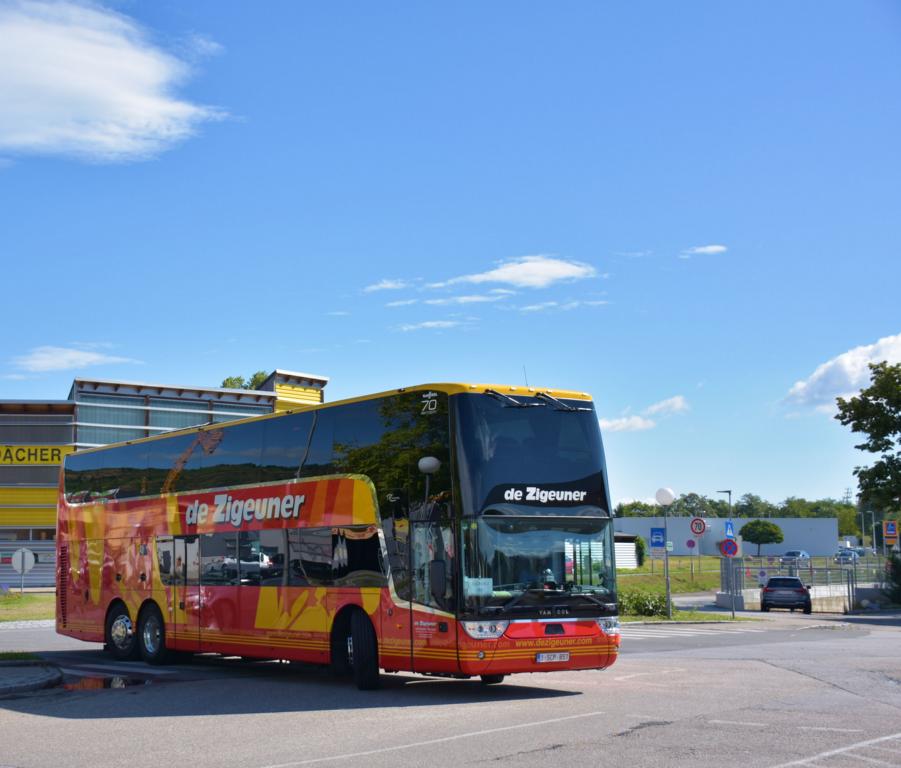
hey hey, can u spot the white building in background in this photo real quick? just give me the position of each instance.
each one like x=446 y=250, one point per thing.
x=817 y=535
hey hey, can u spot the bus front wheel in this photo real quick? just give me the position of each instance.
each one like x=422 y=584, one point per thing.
x=152 y=636
x=492 y=679
x=363 y=652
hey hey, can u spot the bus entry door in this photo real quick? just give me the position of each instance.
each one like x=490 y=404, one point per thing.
x=432 y=626
x=185 y=619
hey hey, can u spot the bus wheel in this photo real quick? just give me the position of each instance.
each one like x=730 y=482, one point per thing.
x=363 y=652
x=152 y=636
x=492 y=679
x=119 y=633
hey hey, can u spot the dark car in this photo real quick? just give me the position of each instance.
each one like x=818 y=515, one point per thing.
x=785 y=592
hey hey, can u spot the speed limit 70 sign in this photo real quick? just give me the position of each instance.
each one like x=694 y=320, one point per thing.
x=698 y=526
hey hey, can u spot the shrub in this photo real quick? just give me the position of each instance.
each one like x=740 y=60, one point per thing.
x=639 y=603
x=641 y=551
x=893 y=579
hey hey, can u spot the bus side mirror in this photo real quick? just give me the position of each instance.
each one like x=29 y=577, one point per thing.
x=438 y=578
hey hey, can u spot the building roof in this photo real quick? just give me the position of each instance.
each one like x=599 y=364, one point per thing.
x=144 y=388
x=281 y=376
x=37 y=406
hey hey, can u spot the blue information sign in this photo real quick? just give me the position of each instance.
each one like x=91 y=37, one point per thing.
x=658 y=538
x=730 y=530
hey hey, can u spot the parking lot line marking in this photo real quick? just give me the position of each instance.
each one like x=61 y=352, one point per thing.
x=840 y=751
x=886 y=749
x=834 y=730
x=429 y=742
x=873 y=760
x=655 y=673
x=737 y=722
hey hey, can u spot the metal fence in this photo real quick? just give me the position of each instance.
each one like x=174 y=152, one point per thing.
x=833 y=586
x=752 y=572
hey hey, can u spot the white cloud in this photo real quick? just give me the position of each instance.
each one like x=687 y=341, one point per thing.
x=339 y=313
x=539 y=307
x=568 y=305
x=43 y=359
x=627 y=424
x=84 y=81
x=703 y=250
x=431 y=324
x=386 y=285
x=476 y=299
x=528 y=272
x=844 y=375
x=402 y=303
x=676 y=404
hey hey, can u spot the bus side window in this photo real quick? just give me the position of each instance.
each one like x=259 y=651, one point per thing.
x=164 y=556
x=311 y=556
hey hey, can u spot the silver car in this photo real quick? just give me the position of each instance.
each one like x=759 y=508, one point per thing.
x=796 y=557
x=785 y=592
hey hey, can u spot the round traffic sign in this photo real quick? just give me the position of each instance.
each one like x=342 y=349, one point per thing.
x=23 y=560
x=690 y=543
x=698 y=526
x=729 y=547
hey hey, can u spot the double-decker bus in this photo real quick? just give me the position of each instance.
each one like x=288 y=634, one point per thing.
x=445 y=529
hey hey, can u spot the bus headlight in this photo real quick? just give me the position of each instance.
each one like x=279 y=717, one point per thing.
x=609 y=625
x=485 y=630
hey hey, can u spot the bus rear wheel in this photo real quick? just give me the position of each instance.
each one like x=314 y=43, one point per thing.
x=152 y=636
x=363 y=652
x=119 y=633
x=492 y=679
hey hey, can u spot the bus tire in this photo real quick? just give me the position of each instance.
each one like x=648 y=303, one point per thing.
x=119 y=633
x=492 y=679
x=363 y=652
x=152 y=636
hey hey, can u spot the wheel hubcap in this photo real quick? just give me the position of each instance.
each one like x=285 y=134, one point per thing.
x=350 y=650
x=122 y=632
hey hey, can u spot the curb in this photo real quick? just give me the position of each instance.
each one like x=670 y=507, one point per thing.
x=52 y=676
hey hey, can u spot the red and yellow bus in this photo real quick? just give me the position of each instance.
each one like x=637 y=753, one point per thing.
x=445 y=529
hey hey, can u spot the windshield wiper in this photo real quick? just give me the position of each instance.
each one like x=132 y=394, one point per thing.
x=561 y=406
x=509 y=402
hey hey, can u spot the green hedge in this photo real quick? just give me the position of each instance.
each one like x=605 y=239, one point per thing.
x=638 y=603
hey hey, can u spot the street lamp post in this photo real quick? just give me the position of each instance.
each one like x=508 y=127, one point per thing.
x=665 y=497
x=729 y=493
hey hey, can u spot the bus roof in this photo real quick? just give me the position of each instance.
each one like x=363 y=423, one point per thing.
x=447 y=388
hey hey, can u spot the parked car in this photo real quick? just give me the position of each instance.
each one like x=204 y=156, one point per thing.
x=785 y=592
x=846 y=557
x=795 y=557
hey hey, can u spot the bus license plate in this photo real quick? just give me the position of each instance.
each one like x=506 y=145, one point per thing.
x=544 y=658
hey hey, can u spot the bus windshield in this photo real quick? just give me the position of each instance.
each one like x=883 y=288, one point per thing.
x=524 y=563
x=522 y=455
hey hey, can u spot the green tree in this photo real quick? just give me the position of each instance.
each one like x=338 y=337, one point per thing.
x=636 y=509
x=876 y=413
x=795 y=507
x=751 y=505
x=239 y=382
x=761 y=532
x=692 y=505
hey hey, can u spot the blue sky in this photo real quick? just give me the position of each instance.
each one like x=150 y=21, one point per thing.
x=688 y=210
